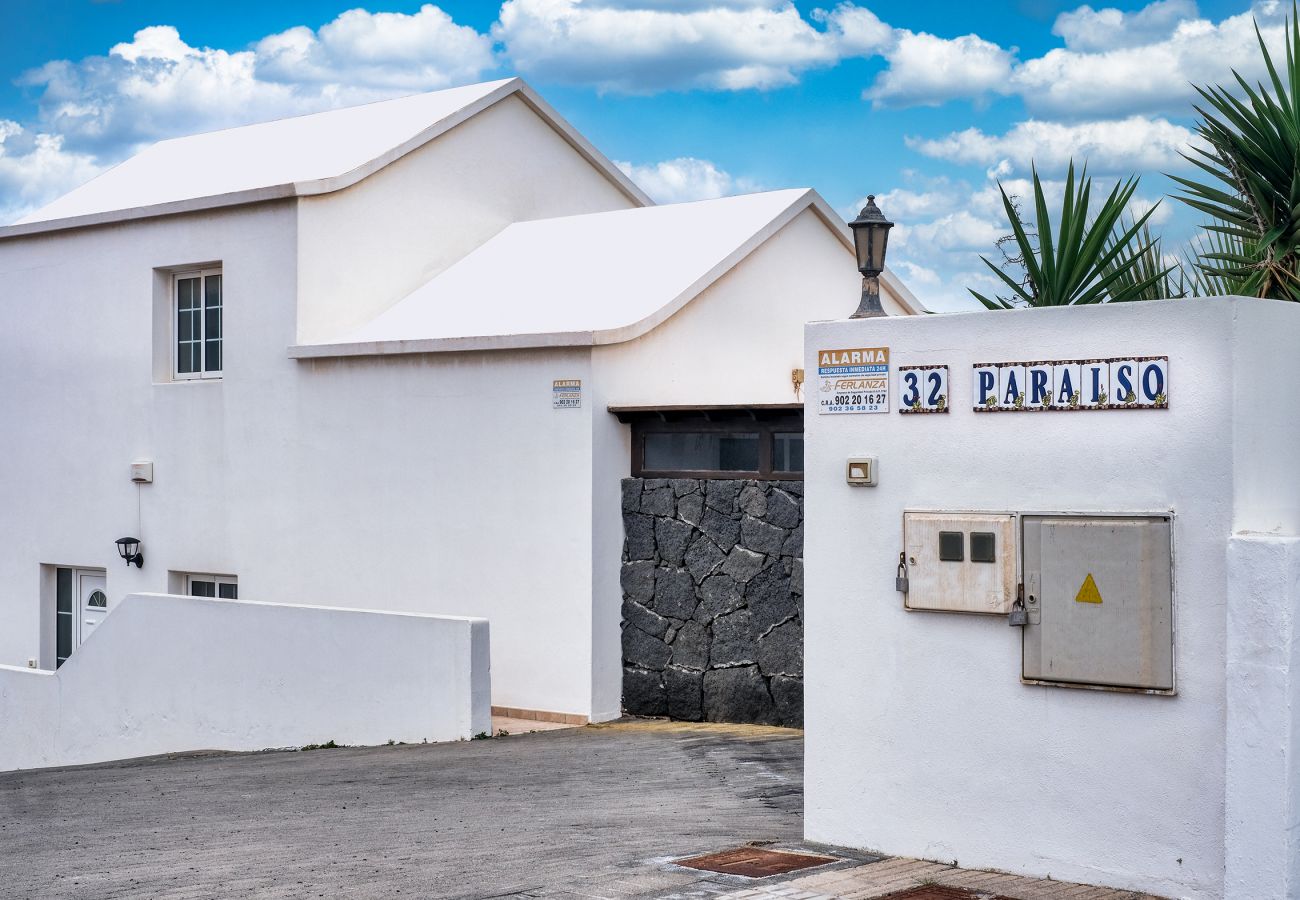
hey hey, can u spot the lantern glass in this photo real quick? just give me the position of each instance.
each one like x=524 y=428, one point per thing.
x=870 y=238
x=128 y=547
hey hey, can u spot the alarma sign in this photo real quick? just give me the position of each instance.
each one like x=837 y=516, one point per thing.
x=853 y=381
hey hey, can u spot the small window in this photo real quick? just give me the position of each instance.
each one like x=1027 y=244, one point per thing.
x=197 y=324
x=728 y=442
x=983 y=547
x=952 y=546
x=695 y=451
x=224 y=587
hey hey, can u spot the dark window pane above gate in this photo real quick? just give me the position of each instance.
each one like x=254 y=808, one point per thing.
x=686 y=451
x=716 y=441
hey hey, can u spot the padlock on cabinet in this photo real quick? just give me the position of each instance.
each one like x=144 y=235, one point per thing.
x=1018 y=618
x=900 y=579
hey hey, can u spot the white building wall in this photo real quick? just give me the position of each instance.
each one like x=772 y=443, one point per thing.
x=168 y=674
x=364 y=248
x=921 y=741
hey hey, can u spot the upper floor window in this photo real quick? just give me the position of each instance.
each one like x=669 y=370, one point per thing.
x=196 y=307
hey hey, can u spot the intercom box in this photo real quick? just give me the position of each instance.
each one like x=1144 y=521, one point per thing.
x=960 y=562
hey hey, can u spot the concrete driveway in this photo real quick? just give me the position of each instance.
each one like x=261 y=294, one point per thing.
x=582 y=812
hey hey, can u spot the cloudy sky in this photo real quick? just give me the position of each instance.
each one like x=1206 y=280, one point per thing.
x=926 y=104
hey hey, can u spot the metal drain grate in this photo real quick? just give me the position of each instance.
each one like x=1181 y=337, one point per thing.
x=755 y=862
x=939 y=892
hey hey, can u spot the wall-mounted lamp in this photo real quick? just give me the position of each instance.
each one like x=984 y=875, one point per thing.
x=870 y=238
x=129 y=549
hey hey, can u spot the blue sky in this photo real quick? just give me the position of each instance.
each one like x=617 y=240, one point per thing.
x=926 y=104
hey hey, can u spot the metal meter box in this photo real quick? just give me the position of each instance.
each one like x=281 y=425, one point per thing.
x=1099 y=596
x=960 y=562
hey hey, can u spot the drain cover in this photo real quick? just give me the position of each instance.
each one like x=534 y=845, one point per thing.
x=755 y=862
x=938 y=892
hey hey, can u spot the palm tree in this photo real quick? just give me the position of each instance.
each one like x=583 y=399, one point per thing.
x=1252 y=154
x=1089 y=259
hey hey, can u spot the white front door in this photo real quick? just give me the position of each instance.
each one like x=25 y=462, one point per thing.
x=92 y=602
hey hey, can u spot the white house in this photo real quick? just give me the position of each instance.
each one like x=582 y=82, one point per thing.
x=366 y=359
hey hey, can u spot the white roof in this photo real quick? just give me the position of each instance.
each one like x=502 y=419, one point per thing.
x=310 y=154
x=599 y=278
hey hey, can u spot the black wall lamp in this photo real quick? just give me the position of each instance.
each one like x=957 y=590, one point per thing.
x=870 y=238
x=129 y=549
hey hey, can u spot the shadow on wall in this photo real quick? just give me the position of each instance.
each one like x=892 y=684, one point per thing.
x=713 y=600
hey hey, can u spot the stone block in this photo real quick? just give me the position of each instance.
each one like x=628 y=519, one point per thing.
x=783 y=510
x=638 y=580
x=691 y=647
x=685 y=694
x=794 y=488
x=738 y=695
x=683 y=486
x=719 y=595
x=734 y=641
x=761 y=537
x=769 y=599
x=742 y=564
x=796 y=577
x=787 y=694
x=674 y=593
x=637 y=616
x=780 y=651
x=793 y=545
x=644 y=651
x=690 y=508
x=722 y=529
x=753 y=501
x=643 y=693
x=671 y=539
x=721 y=494
x=658 y=502
x=639 y=532
x=631 y=494
x=703 y=558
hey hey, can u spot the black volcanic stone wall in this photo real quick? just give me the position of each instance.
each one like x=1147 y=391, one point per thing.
x=713 y=600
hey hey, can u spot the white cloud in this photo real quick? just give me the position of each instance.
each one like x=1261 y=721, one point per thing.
x=1092 y=30
x=420 y=52
x=34 y=168
x=686 y=178
x=1156 y=75
x=654 y=45
x=928 y=70
x=1135 y=143
x=157 y=85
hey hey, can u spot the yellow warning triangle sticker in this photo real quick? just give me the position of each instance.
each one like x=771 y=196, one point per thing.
x=1088 y=593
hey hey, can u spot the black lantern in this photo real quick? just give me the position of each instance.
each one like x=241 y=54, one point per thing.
x=129 y=549
x=870 y=238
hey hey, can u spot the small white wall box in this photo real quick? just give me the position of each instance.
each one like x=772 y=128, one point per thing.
x=142 y=471
x=1099 y=594
x=960 y=562
x=862 y=470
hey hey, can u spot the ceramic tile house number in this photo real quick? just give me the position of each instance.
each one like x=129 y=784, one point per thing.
x=1070 y=385
x=923 y=389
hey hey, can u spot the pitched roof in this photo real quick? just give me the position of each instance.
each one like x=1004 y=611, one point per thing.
x=566 y=281
x=312 y=154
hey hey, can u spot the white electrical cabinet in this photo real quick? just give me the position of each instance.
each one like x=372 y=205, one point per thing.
x=960 y=562
x=1099 y=601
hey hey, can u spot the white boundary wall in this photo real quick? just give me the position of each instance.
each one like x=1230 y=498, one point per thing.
x=921 y=739
x=167 y=673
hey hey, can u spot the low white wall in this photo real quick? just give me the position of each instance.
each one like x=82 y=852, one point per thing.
x=167 y=673
x=921 y=738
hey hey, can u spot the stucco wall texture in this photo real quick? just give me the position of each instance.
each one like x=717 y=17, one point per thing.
x=922 y=739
